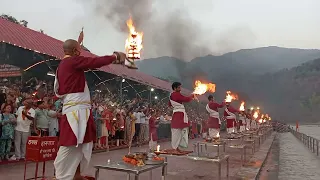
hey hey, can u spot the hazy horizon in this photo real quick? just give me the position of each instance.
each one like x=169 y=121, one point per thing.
x=184 y=29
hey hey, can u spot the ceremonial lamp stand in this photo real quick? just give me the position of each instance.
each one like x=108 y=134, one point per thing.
x=132 y=54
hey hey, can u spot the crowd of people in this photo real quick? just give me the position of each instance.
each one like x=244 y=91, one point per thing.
x=31 y=108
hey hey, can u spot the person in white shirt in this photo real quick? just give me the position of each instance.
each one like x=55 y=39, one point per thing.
x=137 y=125
x=25 y=116
x=53 y=121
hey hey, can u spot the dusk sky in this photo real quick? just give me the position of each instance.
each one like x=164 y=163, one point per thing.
x=224 y=25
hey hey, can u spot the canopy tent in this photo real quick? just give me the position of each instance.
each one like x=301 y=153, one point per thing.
x=29 y=39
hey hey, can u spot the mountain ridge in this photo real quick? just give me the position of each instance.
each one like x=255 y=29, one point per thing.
x=263 y=75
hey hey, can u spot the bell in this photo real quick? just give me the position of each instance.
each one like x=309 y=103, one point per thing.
x=130 y=64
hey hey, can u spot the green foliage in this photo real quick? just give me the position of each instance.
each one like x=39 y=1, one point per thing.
x=14 y=20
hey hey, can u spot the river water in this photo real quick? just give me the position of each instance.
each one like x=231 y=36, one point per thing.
x=296 y=162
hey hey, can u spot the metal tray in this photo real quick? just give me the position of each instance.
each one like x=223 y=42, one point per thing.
x=152 y=162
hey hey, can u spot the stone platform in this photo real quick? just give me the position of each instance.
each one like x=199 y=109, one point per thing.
x=178 y=168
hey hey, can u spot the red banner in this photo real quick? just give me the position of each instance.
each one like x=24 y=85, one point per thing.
x=40 y=149
x=7 y=70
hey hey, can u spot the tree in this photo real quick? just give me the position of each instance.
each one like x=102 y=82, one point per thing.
x=14 y=20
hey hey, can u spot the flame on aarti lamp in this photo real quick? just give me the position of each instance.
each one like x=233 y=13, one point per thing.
x=255 y=115
x=242 y=106
x=230 y=97
x=201 y=88
x=134 y=41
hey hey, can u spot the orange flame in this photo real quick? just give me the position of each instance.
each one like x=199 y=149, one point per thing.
x=134 y=41
x=242 y=106
x=230 y=97
x=202 y=88
x=256 y=114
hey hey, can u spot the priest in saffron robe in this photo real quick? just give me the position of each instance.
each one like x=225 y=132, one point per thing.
x=214 y=121
x=230 y=116
x=179 y=123
x=77 y=128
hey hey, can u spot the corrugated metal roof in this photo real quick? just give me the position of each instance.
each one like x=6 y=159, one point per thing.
x=29 y=39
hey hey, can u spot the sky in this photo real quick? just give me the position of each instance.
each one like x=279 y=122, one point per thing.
x=219 y=25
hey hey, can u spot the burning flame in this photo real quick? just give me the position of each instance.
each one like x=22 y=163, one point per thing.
x=218 y=135
x=255 y=115
x=262 y=116
x=202 y=88
x=269 y=118
x=134 y=41
x=260 y=120
x=230 y=97
x=242 y=106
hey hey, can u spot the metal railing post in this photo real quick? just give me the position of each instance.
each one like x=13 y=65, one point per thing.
x=317 y=148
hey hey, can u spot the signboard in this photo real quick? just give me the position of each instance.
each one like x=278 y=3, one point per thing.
x=41 y=149
x=7 y=70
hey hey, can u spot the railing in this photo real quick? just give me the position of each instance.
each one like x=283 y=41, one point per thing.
x=310 y=142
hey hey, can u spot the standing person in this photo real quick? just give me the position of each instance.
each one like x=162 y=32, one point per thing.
x=97 y=122
x=248 y=119
x=25 y=116
x=143 y=127
x=107 y=118
x=119 y=126
x=77 y=128
x=137 y=125
x=41 y=119
x=153 y=131
x=132 y=120
x=214 y=121
x=179 y=123
x=53 y=121
x=242 y=121
x=147 y=131
x=7 y=120
x=230 y=116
